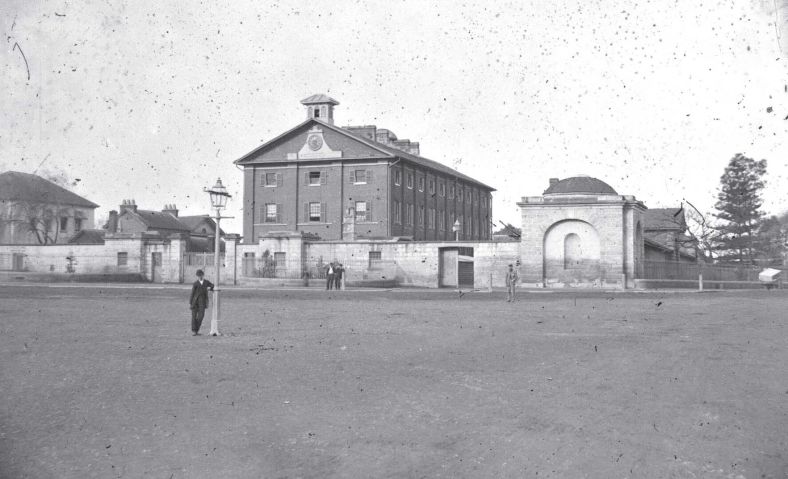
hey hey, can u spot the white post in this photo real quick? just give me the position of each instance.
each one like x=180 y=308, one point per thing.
x=490 y=287
x=217 y=265
x=700 y=280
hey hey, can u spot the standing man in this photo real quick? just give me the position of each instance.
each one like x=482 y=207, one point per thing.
x=329 y=276
x=339 y=272
x=511 y=283
x=199 y=301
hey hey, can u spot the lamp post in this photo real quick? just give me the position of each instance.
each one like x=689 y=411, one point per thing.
x=456 y=229
x=219 y=197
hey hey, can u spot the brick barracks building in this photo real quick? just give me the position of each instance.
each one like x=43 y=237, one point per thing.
x=317 y=176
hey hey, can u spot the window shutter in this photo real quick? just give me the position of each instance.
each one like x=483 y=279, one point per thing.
x=369 y=176
x=323 y=177
x=306 y=212
x=324 y=212
x=279 y=213
x=262 y=214
x=279 y=179
x=352 y=177
x=306 y=178
x=369 y=209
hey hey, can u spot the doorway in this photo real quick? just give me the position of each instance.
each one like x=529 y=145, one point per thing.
x=155 y=261
x=455 y=267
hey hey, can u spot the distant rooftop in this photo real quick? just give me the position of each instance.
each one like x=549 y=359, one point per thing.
x=579 y=185
x=17 y=186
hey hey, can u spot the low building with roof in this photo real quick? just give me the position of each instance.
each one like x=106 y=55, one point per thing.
x=200 y=230
x=34 y=210
x=581 y=232
x=357 y=182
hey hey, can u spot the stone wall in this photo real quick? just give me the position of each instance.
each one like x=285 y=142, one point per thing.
x=415 y=264
x=121 y=255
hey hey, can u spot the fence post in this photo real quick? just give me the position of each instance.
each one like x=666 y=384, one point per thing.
x=700 y=279
x=490 y=287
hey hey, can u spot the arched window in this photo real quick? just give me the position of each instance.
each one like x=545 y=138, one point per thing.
x=573 y=251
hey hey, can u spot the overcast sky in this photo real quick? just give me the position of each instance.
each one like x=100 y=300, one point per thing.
x=153 y=101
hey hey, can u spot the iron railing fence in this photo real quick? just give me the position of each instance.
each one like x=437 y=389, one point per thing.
x=667 y=270
x=200 y=259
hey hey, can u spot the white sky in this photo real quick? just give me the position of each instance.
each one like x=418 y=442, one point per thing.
x=153 y=101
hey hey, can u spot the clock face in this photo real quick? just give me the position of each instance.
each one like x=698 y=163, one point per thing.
x=315 y=142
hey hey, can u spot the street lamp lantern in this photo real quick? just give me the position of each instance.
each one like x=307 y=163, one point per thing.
x=219 y=197
x=456 y=229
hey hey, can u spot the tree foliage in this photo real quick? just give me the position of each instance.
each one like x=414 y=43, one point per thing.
x=739 y=209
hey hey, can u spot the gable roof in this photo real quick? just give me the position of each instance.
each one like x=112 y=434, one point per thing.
x=158 y=220
x=19 y=186
x=193 y=222
x=388 y=151
x=664 y=219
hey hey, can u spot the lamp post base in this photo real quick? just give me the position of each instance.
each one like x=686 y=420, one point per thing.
x=215 y=315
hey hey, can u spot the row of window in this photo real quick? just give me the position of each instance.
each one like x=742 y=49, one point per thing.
x=316 y=178
x=315 y=212
x=436 y=219
x=361 y=177
x=458 y=192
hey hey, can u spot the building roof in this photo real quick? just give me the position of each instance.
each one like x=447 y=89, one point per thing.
x=664 y=219
x=385 y=149
x=193 y=222
x=18 y=186
x=580 y=185
x=419 y=160
x=319 y=98
x=158 y=220
x=88 y=237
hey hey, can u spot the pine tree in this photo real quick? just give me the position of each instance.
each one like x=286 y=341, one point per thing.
x=739 y=208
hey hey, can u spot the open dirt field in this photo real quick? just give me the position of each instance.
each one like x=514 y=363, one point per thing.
x=108 y=382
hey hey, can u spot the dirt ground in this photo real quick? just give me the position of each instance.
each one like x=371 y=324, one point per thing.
x=107 y=382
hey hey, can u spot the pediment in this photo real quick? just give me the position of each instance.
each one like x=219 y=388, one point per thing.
x=313 y=140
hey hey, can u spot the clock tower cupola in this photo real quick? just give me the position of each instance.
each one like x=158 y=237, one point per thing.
x=320 y=107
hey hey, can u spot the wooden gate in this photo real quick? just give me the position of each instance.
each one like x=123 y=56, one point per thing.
x=465 y=267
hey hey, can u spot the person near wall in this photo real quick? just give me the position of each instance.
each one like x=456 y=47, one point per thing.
x=330 y=276
x=511 y=283
x=339 y=273
x=199 y=301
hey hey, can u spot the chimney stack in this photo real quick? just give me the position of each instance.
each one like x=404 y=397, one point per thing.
x=171 y=209
x=129 y=205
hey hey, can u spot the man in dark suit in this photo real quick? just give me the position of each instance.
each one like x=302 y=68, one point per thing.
x=199 y=301
x=339 y=271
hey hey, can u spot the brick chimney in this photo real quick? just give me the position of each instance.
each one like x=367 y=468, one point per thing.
x=171 y=209
x=129 y=205
x=112 y=222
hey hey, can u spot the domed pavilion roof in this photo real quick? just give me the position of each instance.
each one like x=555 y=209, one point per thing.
x=580 y=185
